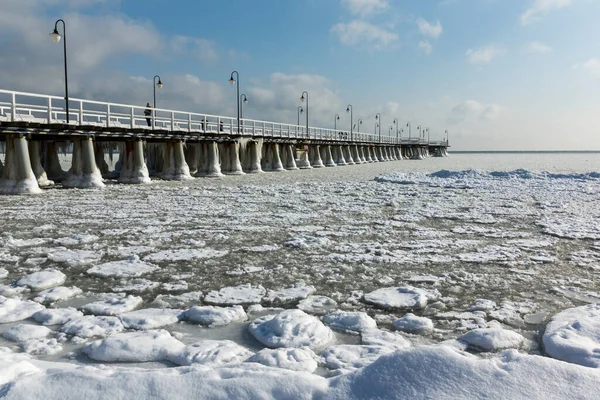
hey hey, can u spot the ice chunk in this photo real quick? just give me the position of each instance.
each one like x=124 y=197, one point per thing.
x=353 y=321
x=185 y=254
x=492 y=339
x=43 y=279
x=211 y=353
x=22 y=332
x=142 y=346
x=12 y=310
x=73 y=257
x=212 y=316
x=60 y=293
x=302 y=359
x=573 y=335
x=242 y=294
x=410 y=323
x=482 y=305
x=3 y=273
x=150 y=318
x=42 y=347
x=178 y=301
x=114 y=306
x=297 y=292
x=378 y=337
x=130 y=268
x=405 y=297
x=319 y=305
x=347 y=358
x=90 y=326
x=57 y=316
x=291 y=328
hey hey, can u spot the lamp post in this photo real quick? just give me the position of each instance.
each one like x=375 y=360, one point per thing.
x=378 y=118
x=396 y=123
x=358 y=124
x=243 y=100
x=419 y=129
x=427 y=129
x=155 y=85
x=302 y=100
x=336 y=118
x=56 y=38
x=232 y=81
x=409 y=129
x=446 y=137
x=350 y=110
x=300 y=111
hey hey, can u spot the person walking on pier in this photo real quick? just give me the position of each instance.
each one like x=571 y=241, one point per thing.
x=148 y=113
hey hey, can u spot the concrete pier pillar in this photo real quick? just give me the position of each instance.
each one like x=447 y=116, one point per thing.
x=339 y=155
x=175 y=168
x=356 y=154
x=302 y=160
x=288 y=157
x=230 y=158
x=191 y=153
x=251 y=155
x=315 y=156
x=51 y=162
x=347 y=155
x=101 y=162
x=367 y=154
x=17 y=174
x=209 y=160
x=36 y=164
x=329 y=162
x=84 y=172
x=134 y=168
x=271 y=158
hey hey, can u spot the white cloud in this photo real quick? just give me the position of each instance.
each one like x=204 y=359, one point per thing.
x=473 y=111
x=427 y=29
x=537 y=48
x=485 y=54
x=592 y=66
x=361 y=34
x=365 y=7
x=425 y=46
x=201 y=48
x=539 y=8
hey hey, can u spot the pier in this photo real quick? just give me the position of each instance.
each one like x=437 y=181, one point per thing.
x=169 y=144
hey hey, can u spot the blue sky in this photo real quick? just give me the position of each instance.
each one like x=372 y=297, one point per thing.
x=499 y=74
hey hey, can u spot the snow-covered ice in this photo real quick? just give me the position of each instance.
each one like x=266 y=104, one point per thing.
x=319 y=305
x=55 y=294
x=237 y=295
x=350 y=321
x=143 y=346
x=89 y=326
x=405 y=297
x=133 y=267
x=492 y=339
x=150 y=318
x=296 y=292
x=113 y=306
x=291 y=328
x=43 y=279
x=410 y=323
x=212 y=316
x=12 y=310
x=56 y=316
x=347 y=358
x=301 y=359
x=23 y=332
x=211 y=353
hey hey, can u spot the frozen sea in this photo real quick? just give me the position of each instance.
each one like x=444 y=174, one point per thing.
x=395 y=267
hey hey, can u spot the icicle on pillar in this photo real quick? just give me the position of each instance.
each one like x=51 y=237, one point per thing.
x=134 y=168
x=36 y=164
x=230 y=159
x=329 y=162
x=315 y=156
x=84 y=172
x=288 y=157
x=209 y=161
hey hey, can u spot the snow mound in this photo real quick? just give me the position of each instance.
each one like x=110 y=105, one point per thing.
x=492 y=339
x=90 y=326
x=43 y=279
x=141 y=346
x=211 y=353
x=347 y=358
x=133 y=267
x=12 y=310
x=242 y=294
x=23 y=332
x=114 y=306
x=378 y=337
x=57 y=316
x=42 y=347
x=410 y=323
x=212 y=316
x=350 y=321
x=405 y=297
x=319 y=305
x=60 y=293
x=302 y=359
x=150 y=318
x=573 y=335
x=297 y=292
x=291 y=328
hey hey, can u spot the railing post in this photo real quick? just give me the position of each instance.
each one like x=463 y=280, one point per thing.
x=80 y=112
x=189 y=122
x=172 y=121
x=49 y=110
x=13 y=107
x=132 y=117
x=108 y=115
x=253 y=128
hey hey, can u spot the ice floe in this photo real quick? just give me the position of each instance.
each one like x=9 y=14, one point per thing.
x=492 y=339
x=573 y=335
x=113 y=306
x=12 y=310
x=242 y=294
x=301 y=359
x=347 y=358
x=133 y=267
x=150 y=318
x=56 y=294
x=23 y=332
x=42 y=347
x=184 y=254
x=319 y=305
x=43 y=279
x=350 y=321
x=141 y=346
x=379 y=337
x=291 y=328
x=410 y=323
x=294 y=293
x=212 y=316
x=56 y=316
x=405 y=297
x=90 y=326
x=211 y=353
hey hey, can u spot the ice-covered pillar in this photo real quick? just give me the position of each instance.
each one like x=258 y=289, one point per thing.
x=315 y=156
x=36 y=164
x=347 y=155
x=134 y=168
x=329 y=162
x=356 y=154
x=230 y=159
x=339 y=155
x=271 y=158
x=191 y=157
x=367 y=154
x=253 y=157
x=51 y=162
x=17 y=175
x=101 y=162
x=84 y=172
x=209 y=163
x=175 y=168
x=302 y=161
x=287 y=157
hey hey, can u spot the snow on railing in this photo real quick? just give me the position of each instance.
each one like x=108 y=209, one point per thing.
x=45 y=109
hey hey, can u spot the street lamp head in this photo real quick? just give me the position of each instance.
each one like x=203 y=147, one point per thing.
x=302 y=98
x=301 y=110
x=231 y=80
x=245 y=100
x=348 y=109
x=56 y=36
x=337 y=117
x=159 y=84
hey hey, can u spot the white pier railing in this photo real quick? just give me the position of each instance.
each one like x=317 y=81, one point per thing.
x=44 y=109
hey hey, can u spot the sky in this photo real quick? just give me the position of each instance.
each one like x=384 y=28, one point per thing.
x=496 y=74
